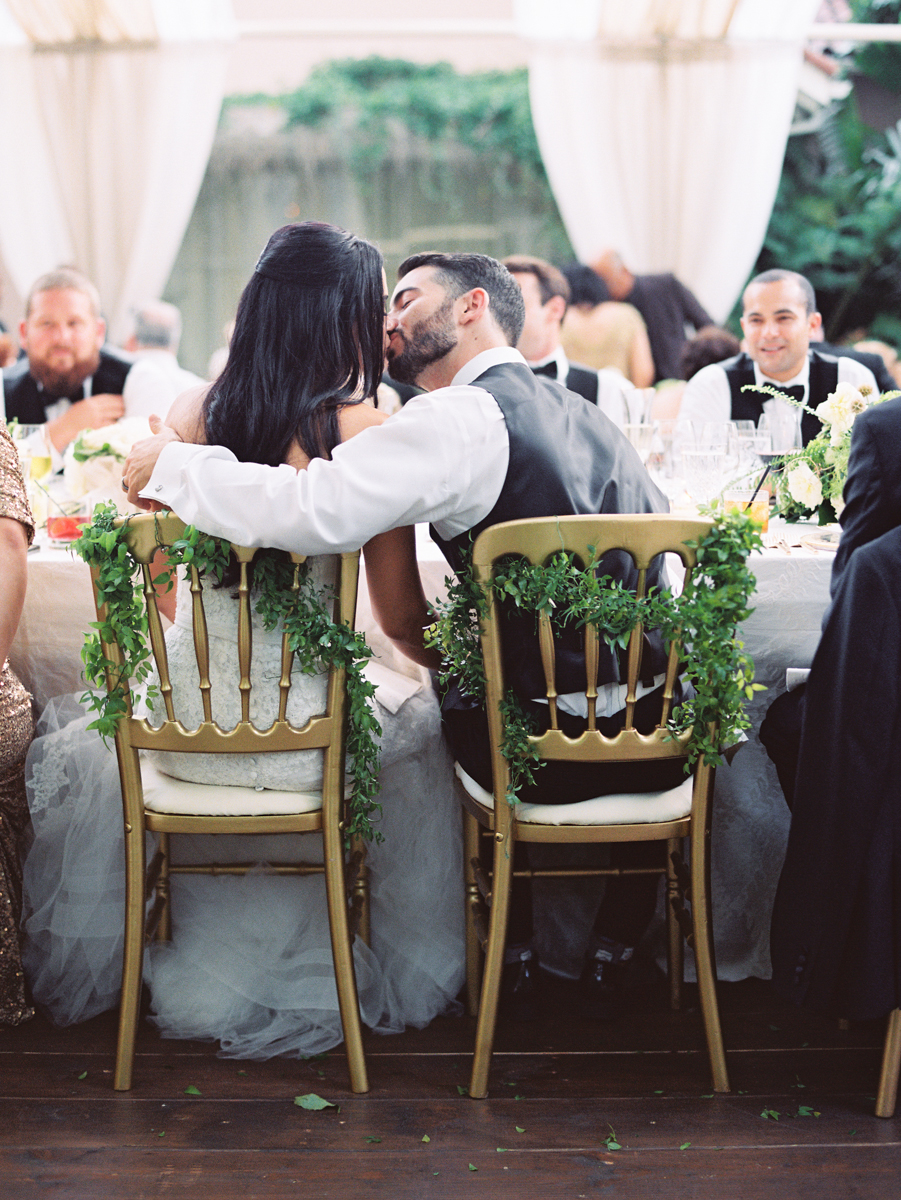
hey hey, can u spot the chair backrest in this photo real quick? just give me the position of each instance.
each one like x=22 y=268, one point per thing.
x=643 y=537
x=146 y=535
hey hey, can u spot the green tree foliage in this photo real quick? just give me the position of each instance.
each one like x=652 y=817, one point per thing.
x=837 y=216
x=370 y=100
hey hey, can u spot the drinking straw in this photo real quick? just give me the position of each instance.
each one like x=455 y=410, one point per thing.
x=759 y=486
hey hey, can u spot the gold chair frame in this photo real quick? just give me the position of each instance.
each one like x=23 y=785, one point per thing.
x=146 y=535
x=887 y=1095
x=643 y=537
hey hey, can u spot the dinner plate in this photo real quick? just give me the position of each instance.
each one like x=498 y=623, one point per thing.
x=824 y=539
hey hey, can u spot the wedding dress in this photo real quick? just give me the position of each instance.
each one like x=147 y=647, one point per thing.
x=249 y=963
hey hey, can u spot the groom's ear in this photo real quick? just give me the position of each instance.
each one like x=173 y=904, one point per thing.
x=473 y=306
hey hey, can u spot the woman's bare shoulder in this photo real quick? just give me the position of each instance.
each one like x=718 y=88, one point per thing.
x=354 y=418
x=186 y=414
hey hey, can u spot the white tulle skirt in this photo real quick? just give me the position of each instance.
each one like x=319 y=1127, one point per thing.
x=249 y=963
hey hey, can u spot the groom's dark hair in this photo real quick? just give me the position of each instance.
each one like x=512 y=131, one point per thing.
x=308 y=341
x=459 y=273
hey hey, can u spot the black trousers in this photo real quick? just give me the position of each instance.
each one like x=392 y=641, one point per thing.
x=629 y=901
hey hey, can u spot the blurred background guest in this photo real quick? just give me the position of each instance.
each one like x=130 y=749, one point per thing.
x=665 y=303
x=601 y=332
x=16 y=726
x=156 y=378
x=546 y=294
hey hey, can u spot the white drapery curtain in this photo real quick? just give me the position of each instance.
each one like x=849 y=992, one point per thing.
x=662 y=125
x=111 y=108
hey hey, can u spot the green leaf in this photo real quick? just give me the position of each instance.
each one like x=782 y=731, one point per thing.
x=685 y=1145
x=426 y=1138
x=313 y=1103
x=462 y=1091
x=502 y=1149
x=770 y=1114
x=472 y=1168
x=83 y=1075
x=373 y=1139
x=519 y=1128
x=807 y=1110
x=191 y=1090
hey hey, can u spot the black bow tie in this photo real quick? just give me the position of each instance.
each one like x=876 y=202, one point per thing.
x=548 y=368
x=796 y=392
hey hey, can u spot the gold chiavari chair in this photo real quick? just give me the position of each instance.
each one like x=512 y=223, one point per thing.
x=668 y=816
x=165 y=806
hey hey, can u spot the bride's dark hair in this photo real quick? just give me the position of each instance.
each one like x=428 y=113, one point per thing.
x=308 y=340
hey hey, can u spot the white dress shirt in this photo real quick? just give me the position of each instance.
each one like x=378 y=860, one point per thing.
x=707 y=396
x=154 y=382
x=443 y=458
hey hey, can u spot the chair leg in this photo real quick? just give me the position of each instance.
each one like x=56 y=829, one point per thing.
x=494 y=965
x=887 y=1095
x=360 y=890
x=472 y=902
x=342 y=956
x=675 y=951
x=705 y=958
x=132 y=956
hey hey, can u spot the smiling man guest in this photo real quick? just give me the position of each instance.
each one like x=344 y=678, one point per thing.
x=489 y=442
x=779 y=318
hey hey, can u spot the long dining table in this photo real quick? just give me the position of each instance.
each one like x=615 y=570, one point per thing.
x=750 y=824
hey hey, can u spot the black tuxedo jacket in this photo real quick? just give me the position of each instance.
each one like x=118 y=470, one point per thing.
x=25 y=401
x=836 y=931
x=873 y=487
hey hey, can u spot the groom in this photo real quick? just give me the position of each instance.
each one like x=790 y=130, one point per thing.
x=488 y=442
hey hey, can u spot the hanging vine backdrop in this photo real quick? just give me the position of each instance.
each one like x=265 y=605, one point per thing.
x=705 y=616
x=316 y=640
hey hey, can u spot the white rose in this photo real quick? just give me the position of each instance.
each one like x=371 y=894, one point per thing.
x=839 y=409
x=838 y=504
x=804 y=486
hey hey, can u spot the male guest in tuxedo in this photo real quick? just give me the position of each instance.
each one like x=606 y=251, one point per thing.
x=546 y=293
x=488 y=442
x=666 y=305
x=67 y=380
x=779 y=319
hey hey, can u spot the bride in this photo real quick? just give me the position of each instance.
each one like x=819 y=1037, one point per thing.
x=250 y=960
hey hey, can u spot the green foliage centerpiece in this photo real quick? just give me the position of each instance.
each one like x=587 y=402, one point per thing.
x=314 y=637
x=705 y=616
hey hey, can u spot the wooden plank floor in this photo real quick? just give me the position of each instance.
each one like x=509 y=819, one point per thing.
x=560 y=1088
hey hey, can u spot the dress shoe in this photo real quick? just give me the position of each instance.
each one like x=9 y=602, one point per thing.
x=520 y=998
x=603 y=985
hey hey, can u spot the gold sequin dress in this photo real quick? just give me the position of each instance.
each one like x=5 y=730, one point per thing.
x=16 y=727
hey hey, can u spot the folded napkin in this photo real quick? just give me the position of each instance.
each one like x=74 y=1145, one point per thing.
x=392 y=690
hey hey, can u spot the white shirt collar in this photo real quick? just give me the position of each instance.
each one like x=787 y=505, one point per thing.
x=800 y=379
x=488 y=358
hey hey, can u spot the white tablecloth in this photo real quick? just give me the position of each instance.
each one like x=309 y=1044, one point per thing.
x=750 y=816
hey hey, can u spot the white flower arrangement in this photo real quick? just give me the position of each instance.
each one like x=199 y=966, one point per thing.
x=813 y=479
x=93 y=462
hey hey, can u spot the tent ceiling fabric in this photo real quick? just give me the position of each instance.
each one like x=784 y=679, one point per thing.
x=109 y=143
x=663 y=134
x=52 y=22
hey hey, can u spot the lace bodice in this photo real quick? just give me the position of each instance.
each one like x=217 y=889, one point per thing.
x=282 y=772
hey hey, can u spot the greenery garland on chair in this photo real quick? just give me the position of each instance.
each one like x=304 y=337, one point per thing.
x=705 y=616
x=313 y=636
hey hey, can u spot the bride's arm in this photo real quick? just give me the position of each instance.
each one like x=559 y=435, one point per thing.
x=395 y=593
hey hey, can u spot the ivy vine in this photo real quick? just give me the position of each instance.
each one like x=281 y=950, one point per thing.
x=314 y=637
x=705 y=616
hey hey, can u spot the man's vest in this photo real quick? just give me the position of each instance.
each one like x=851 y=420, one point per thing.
x=566 y=458
x=748 y=406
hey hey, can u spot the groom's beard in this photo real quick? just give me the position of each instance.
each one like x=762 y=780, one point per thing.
x=430 y=340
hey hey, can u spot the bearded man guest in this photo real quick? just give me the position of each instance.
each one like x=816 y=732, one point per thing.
x=67 y=380
x=779 y=321
x=489 y=442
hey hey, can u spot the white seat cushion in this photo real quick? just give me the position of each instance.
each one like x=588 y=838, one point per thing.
x=622 y=808
x=165 y=794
